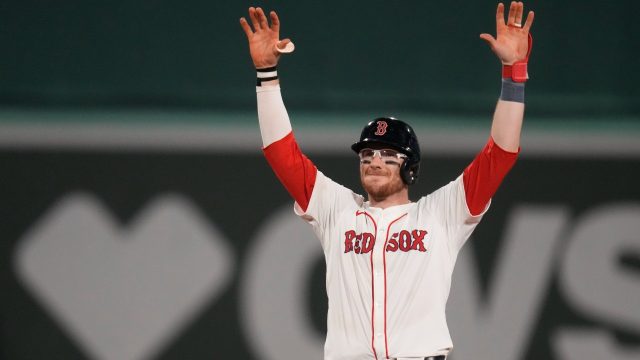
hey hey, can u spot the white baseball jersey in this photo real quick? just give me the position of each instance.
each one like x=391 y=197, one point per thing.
x=388 y=270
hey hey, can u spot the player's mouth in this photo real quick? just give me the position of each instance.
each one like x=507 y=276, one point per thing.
x=375 y=173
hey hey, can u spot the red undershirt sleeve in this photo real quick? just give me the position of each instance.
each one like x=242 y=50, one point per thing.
x=294 y=170
x=485 y=173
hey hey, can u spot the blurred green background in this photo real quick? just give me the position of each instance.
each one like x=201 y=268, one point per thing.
x=185 y=64
x=390 y=57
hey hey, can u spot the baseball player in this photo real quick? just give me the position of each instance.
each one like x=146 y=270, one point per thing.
x=389 y=259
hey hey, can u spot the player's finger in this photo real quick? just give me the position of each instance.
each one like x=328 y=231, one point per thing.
x=253 y=15
x=519 y=11
x=500 y=16
x=285 y=46
x=263 y=19
x=489 y=39
x=529 y=22
x=283 y=43
x=245 y=26
x=275 y=22
x=512 y=13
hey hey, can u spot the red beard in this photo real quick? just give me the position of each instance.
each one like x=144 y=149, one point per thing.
x=380 y=192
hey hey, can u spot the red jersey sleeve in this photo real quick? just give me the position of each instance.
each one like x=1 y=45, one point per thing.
x=294 y=170
x=485 y=173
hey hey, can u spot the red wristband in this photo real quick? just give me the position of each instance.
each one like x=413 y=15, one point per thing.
x=518 y=71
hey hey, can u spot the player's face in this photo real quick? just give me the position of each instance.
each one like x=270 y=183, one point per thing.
x=380 y=172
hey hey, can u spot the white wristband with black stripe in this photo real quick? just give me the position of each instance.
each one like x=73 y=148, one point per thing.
x=266 y=74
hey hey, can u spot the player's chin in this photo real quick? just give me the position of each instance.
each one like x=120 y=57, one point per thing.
x=374 y=181
x=376 y=185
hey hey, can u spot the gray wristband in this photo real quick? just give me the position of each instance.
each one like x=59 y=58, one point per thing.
x=512 y=91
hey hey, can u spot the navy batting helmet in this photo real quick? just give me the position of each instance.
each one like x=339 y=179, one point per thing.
x=397 y=135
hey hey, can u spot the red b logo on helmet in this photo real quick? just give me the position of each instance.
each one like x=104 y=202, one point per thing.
x=382 y=128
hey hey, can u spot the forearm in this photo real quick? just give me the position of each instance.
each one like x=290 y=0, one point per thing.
x=485 y=174
x=508 y=117
x=272 y=114
x=294 y=170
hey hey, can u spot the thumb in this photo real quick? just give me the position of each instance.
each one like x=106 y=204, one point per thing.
x=489 y=39
x=285 y=46
x=283 y=43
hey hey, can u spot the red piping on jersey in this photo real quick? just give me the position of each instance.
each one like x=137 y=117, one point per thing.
x=485 y=173
x=375 y=235
x=294 y=170
x=384 y=262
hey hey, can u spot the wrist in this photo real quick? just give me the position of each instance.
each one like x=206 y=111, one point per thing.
x=517 y=71
x=267 y=75
x=512 y=91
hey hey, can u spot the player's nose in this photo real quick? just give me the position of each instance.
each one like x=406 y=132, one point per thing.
x=377 y=161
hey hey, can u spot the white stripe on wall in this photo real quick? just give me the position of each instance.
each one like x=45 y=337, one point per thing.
x=205 y=132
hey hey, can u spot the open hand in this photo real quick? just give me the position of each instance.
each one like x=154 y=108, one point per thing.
x=512 y=41
x=263 y=39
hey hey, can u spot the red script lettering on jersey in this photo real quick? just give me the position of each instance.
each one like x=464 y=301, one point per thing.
x=407 y=241
x=404 y=241
x=358 y=243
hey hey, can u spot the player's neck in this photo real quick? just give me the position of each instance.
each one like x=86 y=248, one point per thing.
x=397 y=198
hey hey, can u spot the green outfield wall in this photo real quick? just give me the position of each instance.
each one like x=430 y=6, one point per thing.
x=378 y=56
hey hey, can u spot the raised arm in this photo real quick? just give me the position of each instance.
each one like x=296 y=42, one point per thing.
x=512 y=47
x=294 y=170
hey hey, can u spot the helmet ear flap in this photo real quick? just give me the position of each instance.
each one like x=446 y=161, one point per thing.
x=409 y=172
